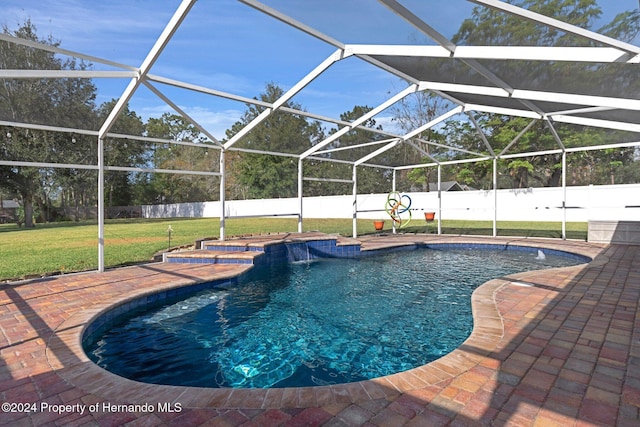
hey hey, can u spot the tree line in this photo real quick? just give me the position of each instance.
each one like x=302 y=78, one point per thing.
x=49 y=194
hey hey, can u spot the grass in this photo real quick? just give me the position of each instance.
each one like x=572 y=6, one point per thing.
x=68 y=247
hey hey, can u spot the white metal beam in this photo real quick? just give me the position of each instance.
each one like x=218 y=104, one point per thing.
x=163 y=171
x=354 y=190
x=414 y=133
x=327 y=159
x=579 y=111
x=164 y=141
x=531 y=154
x=504 y=111
x=100 y=184
x=532 y=95
x=343 y=181
x=560 y=25
x=109 y=135
x=552 y=128
x=48 y=128
x=447 y=147
x=410 y=135
x=544 y=53
x=373 y=165
x=418 y=23
x=181 y=112
x=516 y=53
x=564 y=195
x=410 y=89
x=421 y=150
x=333 y=58
x=205 y=90
x=462 y=88
x=383 y=66
x=376 y=153
x=604 y=147
x=13 y=163
x=495 y=196
x=243 y=99
x=62 y=74
x=424 y=51
x=410 y=17
x=351 y=147
x=148 y=62
x=488 y=74
x=483 y=137
x=607 y=124
x=586 y=100
x=223 y=194
x=58 y=50
x=513 y=142
x=448 y=162
x=300 y=193
x=268 y=153
x=292 y=22
x=133 y=85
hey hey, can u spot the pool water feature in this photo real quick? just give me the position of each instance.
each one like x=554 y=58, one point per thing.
x=320 y=322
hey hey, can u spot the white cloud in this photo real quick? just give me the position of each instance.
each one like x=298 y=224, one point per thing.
x=96 y=28
x=388 y=124
x=216 y=122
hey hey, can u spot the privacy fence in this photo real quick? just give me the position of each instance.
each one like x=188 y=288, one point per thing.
x=581 y=204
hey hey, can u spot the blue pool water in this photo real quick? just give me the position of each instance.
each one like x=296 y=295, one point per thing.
x=311 y=323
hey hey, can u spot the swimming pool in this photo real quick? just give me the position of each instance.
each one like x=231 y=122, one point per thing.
x=311 y=323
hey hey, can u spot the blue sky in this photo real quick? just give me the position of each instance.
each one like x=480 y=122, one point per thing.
x=228 y=46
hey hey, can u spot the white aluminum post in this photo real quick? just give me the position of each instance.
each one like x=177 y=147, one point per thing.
x=439 y=198
x=100 y=205
x=355 y=202
x=564 y=195
x=223 y=174
x=300 y=189
x=495 y=196
x=121 y=103
x=589 y=204
x=393 y=189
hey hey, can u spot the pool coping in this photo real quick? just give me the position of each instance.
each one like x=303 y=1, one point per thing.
x=65 y=355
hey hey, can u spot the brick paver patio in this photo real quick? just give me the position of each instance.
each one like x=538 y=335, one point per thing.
x=558 y=347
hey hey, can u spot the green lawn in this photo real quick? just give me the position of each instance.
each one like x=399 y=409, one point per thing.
x=68 y=246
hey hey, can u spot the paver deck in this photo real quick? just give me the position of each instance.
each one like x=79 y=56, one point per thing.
x=558 y=347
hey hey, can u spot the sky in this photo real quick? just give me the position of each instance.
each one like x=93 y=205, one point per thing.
x=228 y=46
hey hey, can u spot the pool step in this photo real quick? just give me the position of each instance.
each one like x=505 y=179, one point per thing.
x=206 y=256
x=265 y=250
x=231 y=246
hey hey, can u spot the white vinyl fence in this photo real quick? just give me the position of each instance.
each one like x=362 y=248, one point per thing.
x=607 y=202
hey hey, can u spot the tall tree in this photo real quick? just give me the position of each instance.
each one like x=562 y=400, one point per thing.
x=122 y=152
x=265 y=176
x=370 y=180
x=61 y=102
x=487 y=26
x=174 y=188
x=411 y=113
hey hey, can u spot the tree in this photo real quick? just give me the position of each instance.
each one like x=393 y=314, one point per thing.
x=489 y=27
x=122 y=152
x=262 y=175
x=61 y=102
x=174 y=188
x=370 y=180
x=411 y=113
